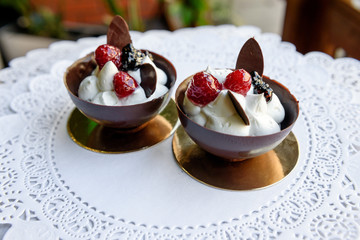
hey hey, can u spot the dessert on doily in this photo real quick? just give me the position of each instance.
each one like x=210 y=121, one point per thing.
x=236 y=114
x=118 y=85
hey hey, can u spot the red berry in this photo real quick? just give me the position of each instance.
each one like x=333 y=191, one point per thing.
x=203 y=89
x=105 y=53
x=238 y=81
x=124 y=84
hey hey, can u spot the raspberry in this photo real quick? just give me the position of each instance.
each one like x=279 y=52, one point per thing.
x=203 y=89
x=260 y=86
x=238 y=81
x=124 y=84
x=105 y=53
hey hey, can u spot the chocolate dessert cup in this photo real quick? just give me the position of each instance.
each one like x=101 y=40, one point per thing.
x=232 y=147
x=125 y=128
x=235 y=148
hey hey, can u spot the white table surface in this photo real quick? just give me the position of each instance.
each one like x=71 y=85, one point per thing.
x=53 y=189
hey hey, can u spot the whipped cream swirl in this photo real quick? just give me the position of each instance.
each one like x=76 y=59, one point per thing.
x=98 y=88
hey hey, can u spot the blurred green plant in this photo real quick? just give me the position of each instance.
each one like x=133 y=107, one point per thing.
x=191 y=13
x=178 y=13
x=37 y=20
x=130 y=12
x=187 y=13
x=221 y=11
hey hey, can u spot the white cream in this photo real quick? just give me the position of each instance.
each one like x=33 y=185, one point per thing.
x=220 y=115
x=257 y=111
x=108 y=98
x=161 y=77
x=159 y=91
x=275 y=109
x=219 y=74
x=138 y=96
x=135 y=75
x=99 y=87
x=106 y=77
x=88 y=88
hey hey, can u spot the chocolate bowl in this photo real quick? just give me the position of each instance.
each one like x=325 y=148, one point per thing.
x=121 y=117
x=235 y=148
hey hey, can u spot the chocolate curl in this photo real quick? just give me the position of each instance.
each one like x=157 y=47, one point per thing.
x=148 y=79
x=118 y=33
x=250 y=57
x=239 y=109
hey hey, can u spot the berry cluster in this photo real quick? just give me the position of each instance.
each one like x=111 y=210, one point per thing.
x=204 y=87
x=126 y=59
x=260 y=86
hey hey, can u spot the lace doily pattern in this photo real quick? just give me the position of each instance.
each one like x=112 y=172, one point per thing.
x=320 y=201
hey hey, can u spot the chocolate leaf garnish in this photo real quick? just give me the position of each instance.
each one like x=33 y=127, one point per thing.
x=148 y=79
x=118 y=33
x=250 y=57
x=239 y=109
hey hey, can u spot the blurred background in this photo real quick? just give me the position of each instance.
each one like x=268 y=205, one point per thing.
x=331 y=26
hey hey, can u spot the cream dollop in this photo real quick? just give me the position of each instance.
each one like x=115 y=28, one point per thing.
x=105 y=98
x=106 y=77
x=219 y=74
x=88 y=88
x=260 y=121
x=222 y=116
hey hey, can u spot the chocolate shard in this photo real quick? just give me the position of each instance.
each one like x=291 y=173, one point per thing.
x=148 y=79
x=250 y=57
x=239 y=108
x=118 y=33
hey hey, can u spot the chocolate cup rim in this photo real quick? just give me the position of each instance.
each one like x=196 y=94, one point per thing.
x=89 y=55
x=179 y=90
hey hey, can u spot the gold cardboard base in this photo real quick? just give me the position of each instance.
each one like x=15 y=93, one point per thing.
x=92 y=136
x=249 y=174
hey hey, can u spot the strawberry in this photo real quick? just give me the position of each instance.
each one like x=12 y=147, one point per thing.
x=203 y=89
x=124 y=84
x=238 y=81
x=105 y=53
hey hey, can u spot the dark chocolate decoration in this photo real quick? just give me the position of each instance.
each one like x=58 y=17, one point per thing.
x=239 y=108
x=118 y=33
x=148 y=79
x=250 y=57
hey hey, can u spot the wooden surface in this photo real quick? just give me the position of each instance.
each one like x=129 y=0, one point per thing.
x=323 y=25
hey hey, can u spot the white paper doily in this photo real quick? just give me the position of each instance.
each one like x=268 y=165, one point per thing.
x=53 y=189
